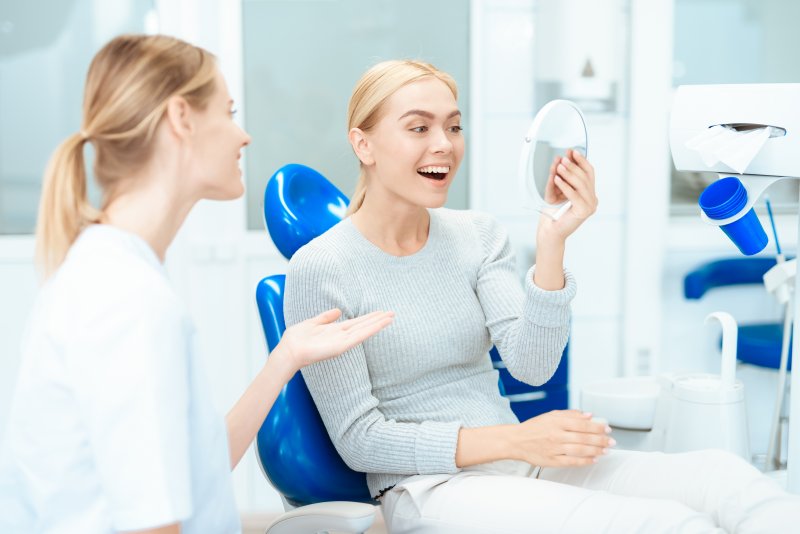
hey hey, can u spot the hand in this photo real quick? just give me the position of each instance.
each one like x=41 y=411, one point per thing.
x=571 y=178
x=560 y=438
x=321 y=337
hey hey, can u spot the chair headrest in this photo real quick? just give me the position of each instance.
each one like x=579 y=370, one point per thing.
x=299 y=205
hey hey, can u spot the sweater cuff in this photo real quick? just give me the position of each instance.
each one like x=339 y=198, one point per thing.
x=548 y=308
x=435 y=447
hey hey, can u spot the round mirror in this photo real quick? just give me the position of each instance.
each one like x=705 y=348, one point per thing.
x=558 y=127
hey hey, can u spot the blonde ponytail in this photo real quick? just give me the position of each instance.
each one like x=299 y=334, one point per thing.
x=358 y=196
x=64 y=208
x=127 y=87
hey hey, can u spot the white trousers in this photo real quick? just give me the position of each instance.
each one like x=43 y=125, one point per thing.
x=625 y=492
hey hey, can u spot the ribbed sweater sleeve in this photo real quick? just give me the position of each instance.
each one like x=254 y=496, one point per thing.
x=529 y=330
x=342 y=389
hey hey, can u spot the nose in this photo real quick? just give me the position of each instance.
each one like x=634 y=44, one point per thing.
x=441 y=143
x=247 y=138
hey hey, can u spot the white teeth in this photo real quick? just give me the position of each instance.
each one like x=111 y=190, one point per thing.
x=431 y=168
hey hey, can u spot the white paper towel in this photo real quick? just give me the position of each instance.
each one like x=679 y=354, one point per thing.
x=733 y=148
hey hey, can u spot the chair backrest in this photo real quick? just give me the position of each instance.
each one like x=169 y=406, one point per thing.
x=293 y=447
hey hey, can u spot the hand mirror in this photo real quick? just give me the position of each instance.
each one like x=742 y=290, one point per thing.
x=557 y=127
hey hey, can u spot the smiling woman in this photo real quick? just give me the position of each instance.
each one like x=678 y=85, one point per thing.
x=417 y=407
x=408 y=141
x=333 y=46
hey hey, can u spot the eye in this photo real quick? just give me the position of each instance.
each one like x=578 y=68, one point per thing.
x=456 y=129
x=420 y=129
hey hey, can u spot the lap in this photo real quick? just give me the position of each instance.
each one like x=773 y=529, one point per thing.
x=485 y=501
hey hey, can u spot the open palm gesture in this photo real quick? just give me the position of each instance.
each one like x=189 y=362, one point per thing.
x=321 y=337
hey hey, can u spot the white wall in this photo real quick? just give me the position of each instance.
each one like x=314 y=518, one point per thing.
x=504 y=96
x=629 y=317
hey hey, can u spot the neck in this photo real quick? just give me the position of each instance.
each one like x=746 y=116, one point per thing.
x=397 y=228
x=149 y=209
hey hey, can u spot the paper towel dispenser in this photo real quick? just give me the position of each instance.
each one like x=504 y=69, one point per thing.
x=740 y=107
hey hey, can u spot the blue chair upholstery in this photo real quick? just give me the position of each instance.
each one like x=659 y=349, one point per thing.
x=293 y=447
x=529 y=401
x=760 y=343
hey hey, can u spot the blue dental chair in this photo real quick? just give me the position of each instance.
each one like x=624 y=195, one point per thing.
x=759 y=343
x=292 y=446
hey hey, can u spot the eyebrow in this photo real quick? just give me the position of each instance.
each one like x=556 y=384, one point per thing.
x=427 y=114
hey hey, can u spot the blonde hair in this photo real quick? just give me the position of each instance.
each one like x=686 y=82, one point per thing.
x=371 y=93
x=127 y=88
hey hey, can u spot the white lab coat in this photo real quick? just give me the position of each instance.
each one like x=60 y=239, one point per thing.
x=112 y=426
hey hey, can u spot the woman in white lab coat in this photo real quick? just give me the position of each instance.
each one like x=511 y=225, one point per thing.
x=112 y=426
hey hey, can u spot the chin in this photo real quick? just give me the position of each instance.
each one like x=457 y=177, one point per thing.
x=434 y=201
x=231 y=193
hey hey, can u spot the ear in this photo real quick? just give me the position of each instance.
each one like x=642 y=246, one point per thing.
x=179 y=117
x=361 y=146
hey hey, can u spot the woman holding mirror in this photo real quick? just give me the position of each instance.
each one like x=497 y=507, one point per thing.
x=417 y=406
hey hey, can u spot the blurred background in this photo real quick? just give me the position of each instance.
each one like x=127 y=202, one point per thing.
x=291 y=65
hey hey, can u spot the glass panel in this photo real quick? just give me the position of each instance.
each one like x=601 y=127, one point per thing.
x=733 y=41
x=301 y=61
x=45 y=50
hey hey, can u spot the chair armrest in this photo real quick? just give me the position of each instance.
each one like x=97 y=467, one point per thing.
x=728 y=272
x=334 y=515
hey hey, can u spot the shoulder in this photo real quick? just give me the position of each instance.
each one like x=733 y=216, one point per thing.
x=100 y=283
x=323 y=253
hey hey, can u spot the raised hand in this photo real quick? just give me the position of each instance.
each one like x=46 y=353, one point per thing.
x=571 y=178
x=560 y=438
x=321 y=337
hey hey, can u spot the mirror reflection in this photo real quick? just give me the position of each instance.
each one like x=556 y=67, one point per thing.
x=557 y=128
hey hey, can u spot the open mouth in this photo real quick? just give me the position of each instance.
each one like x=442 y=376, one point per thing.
x=434 y=172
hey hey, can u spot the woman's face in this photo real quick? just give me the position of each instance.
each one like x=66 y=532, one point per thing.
x=216 y=147
x=416 y=147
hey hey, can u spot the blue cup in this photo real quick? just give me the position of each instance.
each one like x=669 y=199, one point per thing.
x=725 y=198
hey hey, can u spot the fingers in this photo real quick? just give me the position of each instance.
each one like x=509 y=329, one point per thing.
x=327 y=316
x=362 y=319
x=551 y=193
x=577 y=170
x=583 y=163
x=573 y=461
x=355 y=321
x=584 y=451
x=585 y=424
x=373 y=322
x=362 y=332
x=578 y=178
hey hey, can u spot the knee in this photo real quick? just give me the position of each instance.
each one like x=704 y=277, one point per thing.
x=723 y=459
x=673 y=516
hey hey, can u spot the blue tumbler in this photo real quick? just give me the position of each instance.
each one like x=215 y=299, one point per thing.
x=725 y=198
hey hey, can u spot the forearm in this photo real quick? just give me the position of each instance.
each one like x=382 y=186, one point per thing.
x=483 y=444
x=549 y=273
x=247 y=415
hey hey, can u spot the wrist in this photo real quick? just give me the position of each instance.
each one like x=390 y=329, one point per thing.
x=280 y=363
x=547 y=243
x=485 y=444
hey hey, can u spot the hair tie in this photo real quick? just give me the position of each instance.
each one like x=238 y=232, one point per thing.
x=84 y=135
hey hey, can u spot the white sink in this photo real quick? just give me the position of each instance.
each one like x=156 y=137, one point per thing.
x=628 y=402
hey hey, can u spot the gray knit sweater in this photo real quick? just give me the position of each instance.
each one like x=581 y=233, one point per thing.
x=393 y=405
